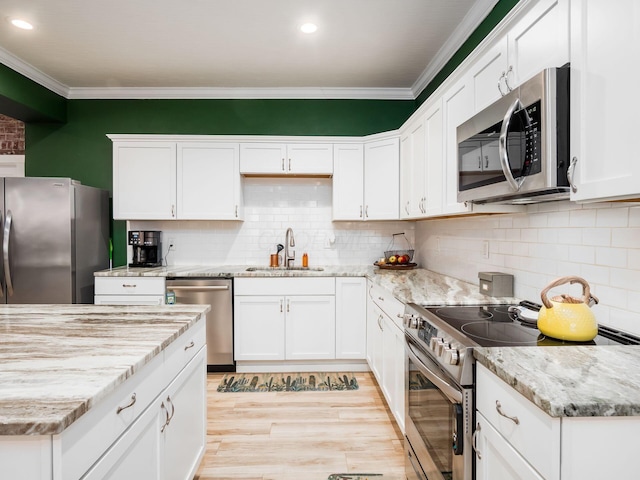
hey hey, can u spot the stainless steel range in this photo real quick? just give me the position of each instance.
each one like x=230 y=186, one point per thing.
x=440 y=379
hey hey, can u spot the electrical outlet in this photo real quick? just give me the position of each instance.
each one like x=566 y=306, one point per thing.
x=485 y=249
x=172 y=244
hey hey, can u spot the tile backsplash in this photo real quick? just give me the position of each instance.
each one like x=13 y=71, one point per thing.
x=598 y=242
x=271 y=205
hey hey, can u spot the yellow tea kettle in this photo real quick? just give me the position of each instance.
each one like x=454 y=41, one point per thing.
x=568 y=318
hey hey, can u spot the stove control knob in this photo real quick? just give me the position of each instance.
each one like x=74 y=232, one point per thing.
x=434 y=342
x=412 y=321
x=451 y=356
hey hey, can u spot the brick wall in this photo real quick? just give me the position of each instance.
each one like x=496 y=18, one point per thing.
x=11 y=136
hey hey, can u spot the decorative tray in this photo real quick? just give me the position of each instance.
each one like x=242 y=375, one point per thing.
x=387 y=266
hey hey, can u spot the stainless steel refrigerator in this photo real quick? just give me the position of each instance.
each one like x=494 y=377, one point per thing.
x=55 y=234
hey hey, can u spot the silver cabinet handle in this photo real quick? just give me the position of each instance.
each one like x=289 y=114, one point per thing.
x=474 y=442
x=173 y=409
x=236 y=211
x=486 y=161
x=166 y=420
x=479 y=163
x=366 y=211
x=283 y=164
x=381 y=299
x=129 y=285
x=502 y=94
x=130 y=404
x=288 y=305
x=570 y=172
x=289 y=164
x=502 y=148
x=360 y=211
x=281 y=306
x=406 y=207
x=173 y=210
x=499 y=409
x=5 y=253
x=191 y=345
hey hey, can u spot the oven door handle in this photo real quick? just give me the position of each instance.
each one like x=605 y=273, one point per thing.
x=452 y=393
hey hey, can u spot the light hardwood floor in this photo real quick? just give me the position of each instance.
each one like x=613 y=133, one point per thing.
x=300 y=435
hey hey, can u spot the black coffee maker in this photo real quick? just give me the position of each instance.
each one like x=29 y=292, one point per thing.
x=147 y=248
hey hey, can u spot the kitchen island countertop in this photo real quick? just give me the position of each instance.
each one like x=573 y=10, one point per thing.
x=418 y=285
x=58 y=361
x=571 y=381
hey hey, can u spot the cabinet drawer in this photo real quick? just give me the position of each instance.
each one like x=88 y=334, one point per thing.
x=389 y=304
x=128 y=299
x=129 y=285
x=88 y=438
x=182 y=350
x=536 y=436
x=285 y=286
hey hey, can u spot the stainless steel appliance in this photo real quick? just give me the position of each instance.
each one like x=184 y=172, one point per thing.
x=55 y=234
x=440 y=386
x=217 y=292
x=517 y=149
x=147 y=248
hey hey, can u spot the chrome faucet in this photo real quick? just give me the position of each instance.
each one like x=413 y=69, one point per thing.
x=289 y=255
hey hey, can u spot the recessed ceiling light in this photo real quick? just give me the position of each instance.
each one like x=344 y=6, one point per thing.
x=308 y=28
x=23 y=24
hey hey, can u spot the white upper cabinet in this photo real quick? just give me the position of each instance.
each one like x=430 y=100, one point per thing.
x=144 y=180
x=286 y=159
x=348 y=181
x=381 y=179
x=604 y=77
x=434 y=133
x=156 y=180
x=209 y=182
x=366 y=181
x=539 y=40
x=412 y=170
x=457 y=108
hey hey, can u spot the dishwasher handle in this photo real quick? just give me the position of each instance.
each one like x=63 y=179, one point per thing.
x=201 y=288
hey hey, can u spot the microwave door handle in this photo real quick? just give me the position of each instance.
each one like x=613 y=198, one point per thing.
x=454 y=395
x=5 y=253
x=502 y=147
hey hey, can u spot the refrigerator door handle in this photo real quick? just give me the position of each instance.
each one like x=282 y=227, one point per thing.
x=5 y=253
x=1 y=265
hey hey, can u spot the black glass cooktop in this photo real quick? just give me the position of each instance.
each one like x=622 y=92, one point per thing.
x=495 y=326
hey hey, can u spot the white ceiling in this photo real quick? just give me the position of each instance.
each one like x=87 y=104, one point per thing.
x=235 y=48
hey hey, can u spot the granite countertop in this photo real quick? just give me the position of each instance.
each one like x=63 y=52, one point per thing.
x=571 y=381
x=57 y=361
x=409 y=286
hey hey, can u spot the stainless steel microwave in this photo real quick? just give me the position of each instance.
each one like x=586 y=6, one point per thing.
x=516 y=151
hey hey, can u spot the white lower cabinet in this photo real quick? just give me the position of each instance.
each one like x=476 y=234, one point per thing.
x=284 y=318
x=351 y=318
x=129 y=291
x=385 y=348
x=168 y=440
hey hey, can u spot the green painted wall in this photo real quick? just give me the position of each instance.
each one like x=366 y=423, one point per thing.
x=80 y=149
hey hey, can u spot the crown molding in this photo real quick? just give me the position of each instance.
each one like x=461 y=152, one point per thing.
x=241 y=93
x=465 y=28
x=32 y=73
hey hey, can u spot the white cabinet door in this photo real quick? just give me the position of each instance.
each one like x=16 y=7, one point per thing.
x=351 y=318
x=412 y=170
x=144 y=180
x=457 y=108
x=186 y=429
x=496 y=459
x=488 y=76
x=540 y=40
x=381 y=179
x=310 y=327
x=603 y=99
x=263 y=158
x=310 y=159
x=433 y=159
x=393 y=367
x=208 y=181
x=279 y=158
x=259 y=327
x=348 y=182
x=374 y=340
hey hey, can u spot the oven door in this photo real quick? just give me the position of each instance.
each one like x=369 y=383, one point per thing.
x=438 y=423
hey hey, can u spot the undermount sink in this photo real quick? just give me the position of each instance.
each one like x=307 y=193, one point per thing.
x=283 y=269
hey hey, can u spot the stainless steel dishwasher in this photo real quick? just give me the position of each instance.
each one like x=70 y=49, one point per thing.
x=217 y=292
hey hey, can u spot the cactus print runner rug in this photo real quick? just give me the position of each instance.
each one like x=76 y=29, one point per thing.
x=287 y=382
